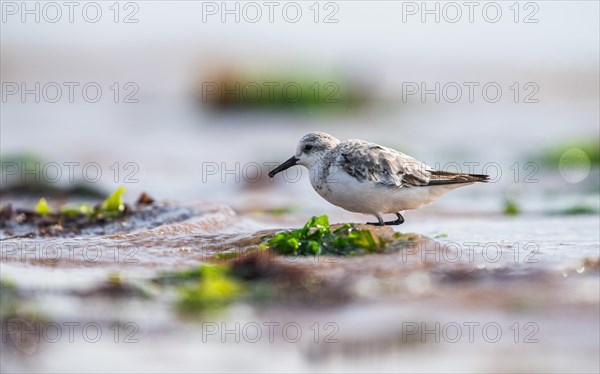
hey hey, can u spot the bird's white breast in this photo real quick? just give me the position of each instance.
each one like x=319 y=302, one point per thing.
x=345 y=191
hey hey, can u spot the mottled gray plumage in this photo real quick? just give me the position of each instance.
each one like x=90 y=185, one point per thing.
x=373 y=163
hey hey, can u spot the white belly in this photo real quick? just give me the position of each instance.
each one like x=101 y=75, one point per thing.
x=366 y=197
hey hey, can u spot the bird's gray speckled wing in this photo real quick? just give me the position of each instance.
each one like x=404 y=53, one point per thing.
x=371 y=162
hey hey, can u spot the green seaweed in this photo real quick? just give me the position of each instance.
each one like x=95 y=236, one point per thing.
x=8 y=301
x=281 y=211
x=213 y=288
x=564 y=154
x=316 y=238
x=15 y=304
x=42 y=207
x=113 y=205
x=78 y=210
x=578 y=210
x=298 y=90
x=226 y=256
x=181 y=276
x=405 y=237
x=511 y=208
x=26 y=161
x=17 y=183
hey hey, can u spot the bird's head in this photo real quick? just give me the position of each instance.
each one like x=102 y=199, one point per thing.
x=311 y=148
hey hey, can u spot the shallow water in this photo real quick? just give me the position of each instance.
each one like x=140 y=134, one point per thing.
x=533 y=279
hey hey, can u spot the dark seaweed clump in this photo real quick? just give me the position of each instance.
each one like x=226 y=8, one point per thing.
x=109 y=216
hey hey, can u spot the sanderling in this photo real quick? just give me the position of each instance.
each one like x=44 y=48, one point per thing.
x=368 y=178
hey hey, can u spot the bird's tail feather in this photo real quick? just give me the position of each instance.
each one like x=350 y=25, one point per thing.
x=445 y=177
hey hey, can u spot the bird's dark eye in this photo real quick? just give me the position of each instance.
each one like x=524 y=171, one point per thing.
x=307 y=147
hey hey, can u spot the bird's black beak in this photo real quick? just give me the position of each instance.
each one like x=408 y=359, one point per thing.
x=286 y=165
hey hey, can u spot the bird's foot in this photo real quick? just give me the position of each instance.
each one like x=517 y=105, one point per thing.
x=398 y=221
x=394 y=223
x=380 y=222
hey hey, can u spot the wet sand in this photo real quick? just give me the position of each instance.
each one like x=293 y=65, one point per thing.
x=492 y=294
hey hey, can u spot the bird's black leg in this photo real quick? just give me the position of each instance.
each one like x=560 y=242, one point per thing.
x=399 y=221
x=379 y=223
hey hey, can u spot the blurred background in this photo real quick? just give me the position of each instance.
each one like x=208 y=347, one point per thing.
x=197 y=101
x=188 y=101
